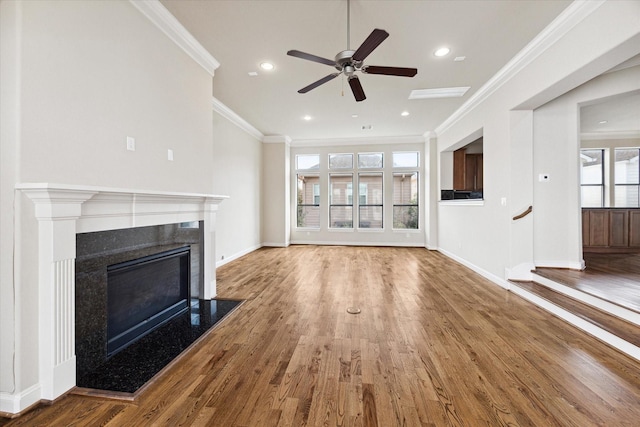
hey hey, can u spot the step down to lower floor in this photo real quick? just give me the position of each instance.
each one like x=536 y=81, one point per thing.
x=619 y=333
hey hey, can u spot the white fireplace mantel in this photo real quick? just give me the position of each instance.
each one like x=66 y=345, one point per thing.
x=62 y=211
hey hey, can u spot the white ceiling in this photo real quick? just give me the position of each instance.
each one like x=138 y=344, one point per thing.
x=617 y=115
x=241 y=34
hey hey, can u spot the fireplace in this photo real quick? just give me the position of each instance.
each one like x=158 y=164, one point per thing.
x=128 y=283
x=63 y=211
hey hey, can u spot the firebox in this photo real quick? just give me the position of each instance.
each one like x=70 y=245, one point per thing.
x=144 y=293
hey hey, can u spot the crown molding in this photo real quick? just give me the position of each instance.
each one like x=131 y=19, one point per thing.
x=601 y=136
x=568 y=19
x=277 y=139
x=165 y=21
x=411 y=139
x=234 y=118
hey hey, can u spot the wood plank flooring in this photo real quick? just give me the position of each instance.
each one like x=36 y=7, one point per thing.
x=612 y=277
x=434 y=345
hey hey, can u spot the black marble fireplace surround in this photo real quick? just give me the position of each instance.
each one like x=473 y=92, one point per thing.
x=94 y=253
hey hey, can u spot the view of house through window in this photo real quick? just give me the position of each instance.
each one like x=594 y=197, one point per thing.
x=405 y=200
x=592 y=178
x=610 y=177
x=308 y=191
x=627 y=178
x=341 y=200
x=370 y=205
x=354 y=189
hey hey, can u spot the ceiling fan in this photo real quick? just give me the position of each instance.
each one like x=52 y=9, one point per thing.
x=348 y=62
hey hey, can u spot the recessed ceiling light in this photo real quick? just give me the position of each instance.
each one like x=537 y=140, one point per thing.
x=404 y=113
x=443 y=51
x=442 y=92
x=602 y=122
x=355 y=116
x=459 y=58
x=307 y=117
x=266 y=66
x=253 y=73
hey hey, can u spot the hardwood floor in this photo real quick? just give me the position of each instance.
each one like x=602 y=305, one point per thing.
x=434 y=345
x=612 y=277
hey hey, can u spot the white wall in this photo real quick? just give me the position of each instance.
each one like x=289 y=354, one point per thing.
x=237 y=173
x=480 y=236
x=81 y=76
x=356 y=236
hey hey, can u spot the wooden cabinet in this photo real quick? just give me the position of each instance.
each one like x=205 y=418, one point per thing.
x=611 y=230
x=467 y=171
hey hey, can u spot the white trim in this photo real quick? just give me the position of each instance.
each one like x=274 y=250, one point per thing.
x=16 y=403
x=343 y=243
x=614 y=309
x=276 y=245
x=580 y=265
x=234 y=118
x=234 y=257
x=596 y=136
x=276 y=139
x=165 y=21
x=580 y=323
x=569 y=18
x=411 y=139
x=484 y=273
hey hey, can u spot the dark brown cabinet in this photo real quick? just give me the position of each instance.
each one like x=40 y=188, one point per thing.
x=611 y=230
x=467 y=171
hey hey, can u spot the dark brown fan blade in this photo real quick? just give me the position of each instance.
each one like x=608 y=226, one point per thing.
x=318 y=83
x=390 y=71
x=310 y=57
x=376 y=37
x=356 y=88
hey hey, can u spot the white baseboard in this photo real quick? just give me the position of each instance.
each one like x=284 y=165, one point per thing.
x=14 y=403
x=484 y=273
x=236 y=256
x=343 y=243
x=276 y=245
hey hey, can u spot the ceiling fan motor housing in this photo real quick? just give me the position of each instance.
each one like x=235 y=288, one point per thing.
x=346 y=64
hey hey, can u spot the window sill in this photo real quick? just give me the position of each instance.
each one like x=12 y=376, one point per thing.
x=301 y=229
x=370 y=230
x=341 y=230
x=462 y=202
x=407 y=230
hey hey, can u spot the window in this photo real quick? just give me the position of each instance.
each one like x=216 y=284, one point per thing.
x=308 y=201
x=405 y=200
x=592 y=178
x=340 y=161
x=627 y=178
x=408 y=159
x=341 y=200
x=370 y=201
x=308 y=162
x=369 y=160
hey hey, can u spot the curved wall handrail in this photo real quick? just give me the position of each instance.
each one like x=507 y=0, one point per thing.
x=523 y=214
